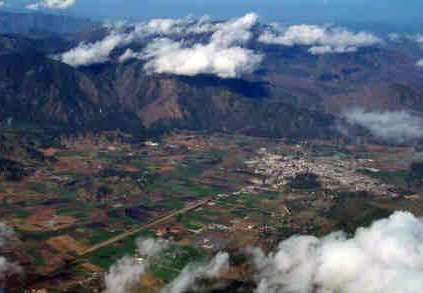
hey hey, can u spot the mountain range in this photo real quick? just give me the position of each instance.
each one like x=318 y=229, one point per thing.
x=293 y=93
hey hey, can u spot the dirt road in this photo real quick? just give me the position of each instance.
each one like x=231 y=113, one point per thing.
x=140 y=229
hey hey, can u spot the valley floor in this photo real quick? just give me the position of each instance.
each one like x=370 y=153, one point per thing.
x=82 y=208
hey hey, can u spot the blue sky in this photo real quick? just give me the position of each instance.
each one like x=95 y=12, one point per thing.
x=388 y=11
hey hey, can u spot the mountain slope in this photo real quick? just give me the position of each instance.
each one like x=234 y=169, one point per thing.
x=293 y=93
x=35 y=88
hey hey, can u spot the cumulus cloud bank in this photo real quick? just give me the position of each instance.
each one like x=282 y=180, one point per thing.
x=129 y=54
x=191 y=274
x=385 y=257
x=150 y=247
x=127 y=271
x=6 y=233
x=124 y=275
x=392 y=126
x=6 y=267
x=52 y=4
x=189 y=47
x=224 y=54
x=321 y=39
x=97 y=52
x=169 y=26
x=120 y=35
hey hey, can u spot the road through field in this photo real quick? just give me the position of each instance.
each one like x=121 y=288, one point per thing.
x=139 y=229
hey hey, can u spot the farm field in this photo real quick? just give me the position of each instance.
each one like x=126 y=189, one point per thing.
x=97 y=195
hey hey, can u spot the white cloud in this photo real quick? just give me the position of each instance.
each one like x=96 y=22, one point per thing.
x=221 y=49
x=233 y=31
x=172 y=26
x=420 y=63
x=385 y=257
x=321 y=39
x=129 y=54
x=52 y=4
x=6 y=267
x=169 y=26
x=126 y=272
x=1 y=4
x=167 y=56
x=166 y=26
x=420 y=39
x=150 y=247
x=223 y=55
x=191 y=274
x=98 y=52
x=395 y=126
x=319 y=50
x=6 y=233
x=122 y=34
x=123 y=275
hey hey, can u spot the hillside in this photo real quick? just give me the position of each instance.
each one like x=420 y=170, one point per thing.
x=292 y=92
x=35 y=88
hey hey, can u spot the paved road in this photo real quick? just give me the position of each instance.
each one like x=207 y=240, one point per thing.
x=139 y=229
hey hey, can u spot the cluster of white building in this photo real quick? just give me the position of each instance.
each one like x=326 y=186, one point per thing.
x=334 y=173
